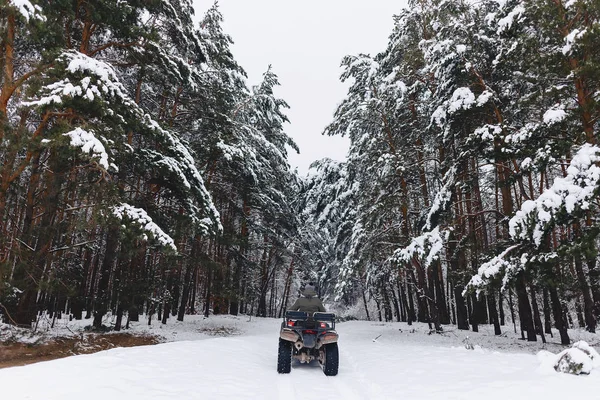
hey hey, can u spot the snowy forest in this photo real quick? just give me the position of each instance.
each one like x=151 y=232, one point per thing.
x=141 y=174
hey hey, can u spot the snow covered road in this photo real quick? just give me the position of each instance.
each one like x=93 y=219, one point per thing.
x=244 y=367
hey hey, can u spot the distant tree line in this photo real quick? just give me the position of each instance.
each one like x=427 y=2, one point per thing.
x=139 y=173
x=471 y=186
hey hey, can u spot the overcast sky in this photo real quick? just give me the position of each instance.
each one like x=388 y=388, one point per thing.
x=305 y=41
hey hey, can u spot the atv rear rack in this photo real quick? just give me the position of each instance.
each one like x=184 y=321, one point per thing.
x=317 y=320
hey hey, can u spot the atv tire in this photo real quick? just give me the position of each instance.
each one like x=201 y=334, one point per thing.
x=284 y=357
x=332 y=359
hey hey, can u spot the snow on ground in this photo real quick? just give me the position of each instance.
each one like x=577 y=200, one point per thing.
x=377 y=361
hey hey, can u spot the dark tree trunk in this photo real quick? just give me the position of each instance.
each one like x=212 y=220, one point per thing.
x=208 y=294
x=77 y=308
x=547 y=322
x=512 y=310
x=166 y=311
x=89 y=304
x=525 y=314
x=194 y=288
x=378 y=305
x=474 y=313
x=491 y=301
x=420 y=288
x=151 y=311
x=365 y=303
x=451 y=303
x=536 y=314
x=386 y=305
x=579 y=313
x=133 y=314
x=411 y=305
x=110 y=255
x=461 y=309
x=501 y=307
x=119 y=320
x=558 y=316
x=272 y=297
x=594 y=275
x=588 y=304
x=186 y=291
x=440 y=296
x=404 y=302
x=395 y=303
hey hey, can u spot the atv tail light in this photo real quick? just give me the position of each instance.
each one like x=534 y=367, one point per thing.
x=290 y=323
x=323 y=325
x=309 y=331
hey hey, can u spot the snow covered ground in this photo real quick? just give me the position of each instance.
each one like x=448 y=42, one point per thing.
x=377 y=361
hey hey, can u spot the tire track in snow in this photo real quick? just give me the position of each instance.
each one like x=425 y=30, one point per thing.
x=358 y=380
x=345 y=391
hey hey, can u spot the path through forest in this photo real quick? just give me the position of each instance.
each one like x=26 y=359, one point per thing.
x=396 y=365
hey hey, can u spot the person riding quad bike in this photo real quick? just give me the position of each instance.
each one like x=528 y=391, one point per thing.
x=308 y=333
x=309 y=303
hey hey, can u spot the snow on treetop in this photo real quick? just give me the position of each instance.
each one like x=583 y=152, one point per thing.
x=569 y=3
x=570 y=193
x=429 y=244
x=105 y=82
x=484 y=97
x=570 y=40
x=523 y=134
x=462 y=99
x=140 y=217
x=28 y=10
x=554 y=115
x=89 y=143
x=491 y=269
x=507 y=22
x=488 y=132
x=442 y=197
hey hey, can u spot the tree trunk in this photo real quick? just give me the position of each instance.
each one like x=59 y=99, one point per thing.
x=119 y=320
x=594 y=275
x=558 y=316
x=365 y=303
x=588 y=304
x=411 y=305
x=536 y=314
x=525 y=314
x=501 y=307
x=440 y=296
x=208 y=293
x=491 y=301
x=403 y=301
x=395 y=303
x=547 y=322
x=110 y=255
x=512 y=310
x=186 y=291
x=475 y=313
x=461 y=309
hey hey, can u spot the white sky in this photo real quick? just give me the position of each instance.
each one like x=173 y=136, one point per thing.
x=305 y=41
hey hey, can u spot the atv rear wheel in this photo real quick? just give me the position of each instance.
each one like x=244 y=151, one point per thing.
x=332 y=359
x=284 y=357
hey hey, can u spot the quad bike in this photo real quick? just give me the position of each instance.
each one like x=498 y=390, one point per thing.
x=306 y=337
